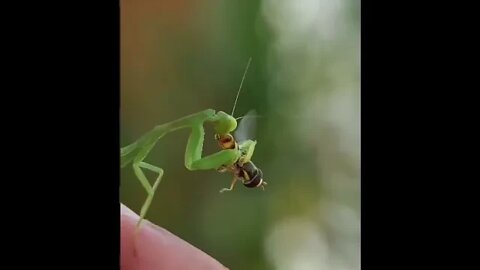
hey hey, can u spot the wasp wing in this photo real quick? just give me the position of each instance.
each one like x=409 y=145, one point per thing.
x=246 y=127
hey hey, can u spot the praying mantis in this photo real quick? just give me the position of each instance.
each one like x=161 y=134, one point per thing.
x=234 y=156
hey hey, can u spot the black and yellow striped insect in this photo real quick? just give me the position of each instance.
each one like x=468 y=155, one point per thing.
x=243 y=169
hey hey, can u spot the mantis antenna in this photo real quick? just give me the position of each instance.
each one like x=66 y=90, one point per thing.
x=256 y=116
x=241 y=83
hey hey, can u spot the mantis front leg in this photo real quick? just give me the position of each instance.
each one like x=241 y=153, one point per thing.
x=139 y=150
x=193 y=153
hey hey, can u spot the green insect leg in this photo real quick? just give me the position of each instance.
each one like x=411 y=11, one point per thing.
x=138 y=164
x=193 y=153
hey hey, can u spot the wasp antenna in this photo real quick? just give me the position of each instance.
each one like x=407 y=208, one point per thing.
x=241 y=83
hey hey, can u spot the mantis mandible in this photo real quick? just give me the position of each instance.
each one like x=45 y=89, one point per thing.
x=234 y=157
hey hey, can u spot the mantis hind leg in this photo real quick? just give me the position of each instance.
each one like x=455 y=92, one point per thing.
x=137 y=167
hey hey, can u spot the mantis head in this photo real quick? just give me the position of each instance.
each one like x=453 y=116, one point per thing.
x=224 y=123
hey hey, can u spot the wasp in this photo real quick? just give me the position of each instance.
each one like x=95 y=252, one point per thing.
x=243 y=169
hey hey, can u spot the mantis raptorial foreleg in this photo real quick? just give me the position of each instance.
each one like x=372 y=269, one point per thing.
x=234 y=157
x=193 y=153
x=138 y=151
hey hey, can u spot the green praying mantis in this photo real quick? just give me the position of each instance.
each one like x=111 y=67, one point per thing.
x=234 y=156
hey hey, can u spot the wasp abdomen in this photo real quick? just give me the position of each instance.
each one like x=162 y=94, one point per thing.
x=252 y=175
x=256 y=181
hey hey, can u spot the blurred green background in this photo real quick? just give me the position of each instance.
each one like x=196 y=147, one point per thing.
x=180 y=57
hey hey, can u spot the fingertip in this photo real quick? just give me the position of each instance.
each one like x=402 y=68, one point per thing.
x=155 y=247
x=125 y=211
x=162 y=249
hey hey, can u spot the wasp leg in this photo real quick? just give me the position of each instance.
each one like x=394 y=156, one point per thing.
x=231 y=186
x=222 y=169
x=263 y=185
